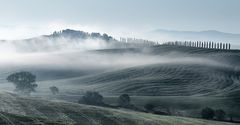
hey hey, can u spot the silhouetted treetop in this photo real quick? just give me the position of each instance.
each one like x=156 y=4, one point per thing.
x=74 y=34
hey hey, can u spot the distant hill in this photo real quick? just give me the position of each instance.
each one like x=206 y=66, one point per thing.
x=208 y=35
x=62 y=40
x=69 y=39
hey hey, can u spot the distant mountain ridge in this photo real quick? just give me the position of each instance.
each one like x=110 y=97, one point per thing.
x=205 y=32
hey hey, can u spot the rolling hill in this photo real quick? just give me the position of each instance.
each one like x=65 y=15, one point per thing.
x=165 y=80
x=189 y=72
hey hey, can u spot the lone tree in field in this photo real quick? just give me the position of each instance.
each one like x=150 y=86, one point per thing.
x=24 y=82
x=207 y=113
x=124 y=100
x=54 y=90
x=220 y=114
x=92 y=98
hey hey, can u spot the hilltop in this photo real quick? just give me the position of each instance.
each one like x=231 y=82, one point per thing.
x=75 y=34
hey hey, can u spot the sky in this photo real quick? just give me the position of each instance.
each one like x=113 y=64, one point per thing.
x=28 y=18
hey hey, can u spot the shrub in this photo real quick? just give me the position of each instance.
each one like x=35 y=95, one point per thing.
x=92 y=98
x=149 y=107
x=220 y=114
x=207 y=113
x=124 y=100
x=54 y=90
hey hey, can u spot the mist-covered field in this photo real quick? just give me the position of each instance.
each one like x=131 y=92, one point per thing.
x=178 y=79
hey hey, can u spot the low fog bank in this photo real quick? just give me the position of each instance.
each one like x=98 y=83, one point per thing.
x=89 y=60
x=52 y=69
x=61 y=53
x=44 y=44
x=62 y=65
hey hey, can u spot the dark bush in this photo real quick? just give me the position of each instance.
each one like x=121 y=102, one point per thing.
x=92 y=98
x=161 y=113
x=231 y=115
x=220 y=114
x=124 y=100
x=207 y=113
x=54 y=90
x=149 y=106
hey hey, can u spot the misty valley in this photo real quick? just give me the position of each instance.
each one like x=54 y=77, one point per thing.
x=74 y=77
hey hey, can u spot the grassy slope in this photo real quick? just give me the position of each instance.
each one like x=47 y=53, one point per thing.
x=183 y=105
x=28 y=111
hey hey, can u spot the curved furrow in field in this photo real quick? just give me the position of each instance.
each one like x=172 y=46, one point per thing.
x=166 y=79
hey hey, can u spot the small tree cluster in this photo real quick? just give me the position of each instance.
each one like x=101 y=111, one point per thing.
x=208 y=113
x=220 y=114
x=92 y=98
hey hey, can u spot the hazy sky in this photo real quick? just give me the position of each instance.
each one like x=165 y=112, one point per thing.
x=27 y=18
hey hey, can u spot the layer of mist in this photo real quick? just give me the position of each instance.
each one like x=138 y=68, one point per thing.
x=64 y=58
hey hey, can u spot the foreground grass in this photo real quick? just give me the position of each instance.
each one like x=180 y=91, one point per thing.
x=103 y=116
x=33 y=111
